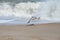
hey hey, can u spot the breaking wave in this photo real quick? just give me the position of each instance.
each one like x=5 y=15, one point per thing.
x=28 y=9
x=19 y=10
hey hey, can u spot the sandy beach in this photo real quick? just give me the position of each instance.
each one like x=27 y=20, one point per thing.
x=34 y=32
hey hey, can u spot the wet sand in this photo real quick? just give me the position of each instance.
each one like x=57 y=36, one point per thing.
x=34 y=32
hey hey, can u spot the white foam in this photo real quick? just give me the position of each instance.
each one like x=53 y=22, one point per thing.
x=45 y=10
x=20 y=9
x=26 y=8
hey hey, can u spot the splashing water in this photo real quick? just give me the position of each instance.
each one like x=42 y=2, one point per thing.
x=19 y=10
x=45 y=10
x=28 y=9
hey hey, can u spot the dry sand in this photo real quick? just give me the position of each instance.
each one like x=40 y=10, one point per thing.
x=36 y=32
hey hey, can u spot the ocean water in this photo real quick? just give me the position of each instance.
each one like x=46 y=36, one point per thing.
x=20 y=11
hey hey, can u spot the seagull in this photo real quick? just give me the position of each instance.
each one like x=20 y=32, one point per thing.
x=33 y=18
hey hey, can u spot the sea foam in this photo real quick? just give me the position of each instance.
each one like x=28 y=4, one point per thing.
x=19 y=10
x=45 y=10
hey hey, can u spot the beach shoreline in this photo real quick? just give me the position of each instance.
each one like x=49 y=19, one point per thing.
x=50 y=31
